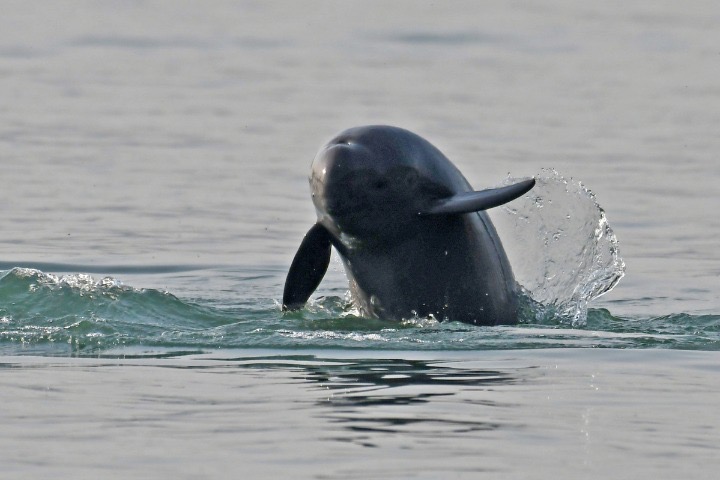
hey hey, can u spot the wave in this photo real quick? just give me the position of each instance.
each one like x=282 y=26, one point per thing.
x=45 y=314
x=78 y=312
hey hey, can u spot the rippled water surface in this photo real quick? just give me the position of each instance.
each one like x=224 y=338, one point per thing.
x=154 y=191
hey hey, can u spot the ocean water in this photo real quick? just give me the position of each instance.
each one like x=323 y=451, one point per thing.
x=154 y=190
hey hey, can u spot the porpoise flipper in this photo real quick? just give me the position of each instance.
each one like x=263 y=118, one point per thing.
x=474 y=201
x=308 y=268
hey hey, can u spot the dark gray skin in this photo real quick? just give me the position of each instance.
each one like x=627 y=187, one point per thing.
x=409 y=229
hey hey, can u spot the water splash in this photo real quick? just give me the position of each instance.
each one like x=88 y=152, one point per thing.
x=563 y=251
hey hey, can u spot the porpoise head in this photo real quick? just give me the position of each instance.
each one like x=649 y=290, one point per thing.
x=376 y=181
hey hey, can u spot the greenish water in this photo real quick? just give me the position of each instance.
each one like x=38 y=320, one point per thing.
x=79 y=315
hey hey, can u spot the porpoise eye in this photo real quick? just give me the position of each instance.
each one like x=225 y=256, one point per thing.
x=380 y=184
x=411 y=178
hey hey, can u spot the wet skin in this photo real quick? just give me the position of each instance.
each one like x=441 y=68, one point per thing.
x=409 y=229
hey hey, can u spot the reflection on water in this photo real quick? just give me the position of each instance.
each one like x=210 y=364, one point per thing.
x=372 y=399
x=325 y=414
x=384 y=381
